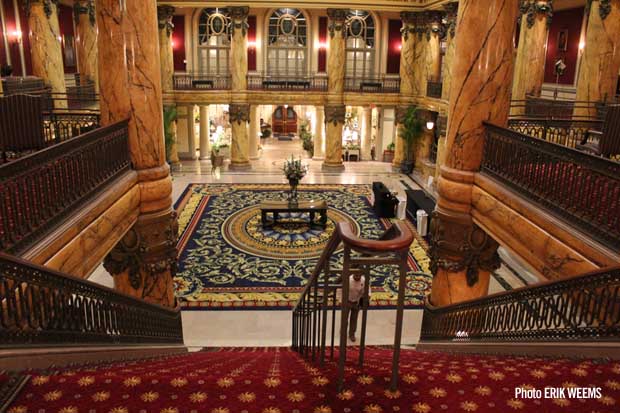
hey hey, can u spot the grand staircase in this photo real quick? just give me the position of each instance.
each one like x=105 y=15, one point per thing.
x=271 y=380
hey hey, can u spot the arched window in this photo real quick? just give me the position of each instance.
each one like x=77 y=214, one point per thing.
x=360 y=44
x=287 y=47
x=214 y=41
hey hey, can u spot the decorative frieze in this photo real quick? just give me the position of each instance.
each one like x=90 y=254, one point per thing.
x=239 y=113
x=337 y=21
x=84 y=7
x=239 y=19
x=533 y=7
x=164 y=18
x=335 y=114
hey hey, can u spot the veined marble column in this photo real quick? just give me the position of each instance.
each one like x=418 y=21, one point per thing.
x=319 y=136
x=600 y=62
x=164 y=22
x=379 y=134
x=432 y=68
x=238 y=48
x=462 y=254
x=399 y=144
x=334 y=122
x=448 y=58
x=205 y=144
x=86 y=41
x=419 y=56
x=336 y=54
x=240 y=150
x=254 y=130
x=407 y=51
x=144 y=262
x=441 y=144
x=529 y=72
x=45 y=46
x=366 y=133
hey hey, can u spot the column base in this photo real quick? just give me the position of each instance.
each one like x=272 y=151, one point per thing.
x=318 y=158
x=332 y=167
x=246 y=166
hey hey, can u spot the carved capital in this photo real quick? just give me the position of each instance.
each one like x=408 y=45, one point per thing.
x=47 y=6
x=239 y=19
x=533 y=7
x=451 y=17
x=335 y=113
x=337 y=21
x=239 y=113
x=400 y=114
x=433 y=24
x=84 y=7
x=458 y=244
x=604 y=8
x=164 y=18
x=410 y=20
x=148 y=249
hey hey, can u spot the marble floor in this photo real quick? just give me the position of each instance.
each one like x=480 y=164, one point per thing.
x=273 y=328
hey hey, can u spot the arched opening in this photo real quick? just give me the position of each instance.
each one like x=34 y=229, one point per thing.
x=284 y=120
x=360 y=45
x=214 y=41
x=287 y=43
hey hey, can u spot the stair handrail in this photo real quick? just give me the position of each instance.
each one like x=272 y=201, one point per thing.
x=40 y=306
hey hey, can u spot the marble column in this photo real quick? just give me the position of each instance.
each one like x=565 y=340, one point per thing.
x=240 y=149
x=419 y=56
x=600 y=62
x=319 y=136
x=399 y=143
x=336 y=54
x=334 y=122
x=45 y=47
x=205 y=144
x=144 y=262
x=379 y=134
x=165 y=25
x=462 y=254
x=448 y=58
x=86 y=41
x=254 y=130
x=529 y=73
x=441 y=143
x=432 y=68
x=238 y=48
x=366 y=133
x=408 y=40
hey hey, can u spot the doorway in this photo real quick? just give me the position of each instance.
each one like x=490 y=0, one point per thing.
x=284 y=120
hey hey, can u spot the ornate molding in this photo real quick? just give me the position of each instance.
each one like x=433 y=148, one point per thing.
x=164 y=18
x=409 y=19
x=337 y=21
x=84 y=7
x=458 y=244
x=47 y=6
x=604 y=8
x=451 y=17
x=239 y=19
x=533 y=7
x=239 y=113
x=335 y=114
x=148 y=248
x=433 y=25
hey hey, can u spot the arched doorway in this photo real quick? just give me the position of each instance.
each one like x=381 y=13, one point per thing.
x=284 y=120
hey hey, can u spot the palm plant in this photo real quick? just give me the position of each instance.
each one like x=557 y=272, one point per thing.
x=411 y=132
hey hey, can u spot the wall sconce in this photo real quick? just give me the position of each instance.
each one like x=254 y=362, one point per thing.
x=173 y=43
x=430 y=125
x=399 y=47
x=252 y=44
x=15 y=36
x=322 y=45
x=582 y=45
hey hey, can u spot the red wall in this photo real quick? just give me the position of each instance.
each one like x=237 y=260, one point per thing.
x=570 y=20
x=65 y=20
x=178 y=39
x=394 y=46
x=9 y=16
x=322 y=59
x=252 y=39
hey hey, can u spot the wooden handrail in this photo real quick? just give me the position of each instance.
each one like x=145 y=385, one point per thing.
x=400 y=237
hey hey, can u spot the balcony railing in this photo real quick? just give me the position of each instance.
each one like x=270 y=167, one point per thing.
x=373 y=84
x=45 y=307
x=564 y=132
x=39 y=190
x=434 y=88
x=59 y=126
x=260 y=81
x=536 y=107
x=200 y=81
x=582 y=189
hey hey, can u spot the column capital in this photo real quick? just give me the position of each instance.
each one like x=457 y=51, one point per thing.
x=604 y=8
x=410 y=20
x=164 y=18
x=400 y=113
x=335 y=113
x=337 y=21
x=47 y=6
x=239 y=112
x=433 y=23
x=239 y=18
x=451 y=15
x=531 y=8
x=84 y=7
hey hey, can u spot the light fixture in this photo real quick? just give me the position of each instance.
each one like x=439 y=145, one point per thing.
x=582 y=45
x=430 y=125
x=16 y=36
x=252 y=44
x=173 y=43
x=322 y=45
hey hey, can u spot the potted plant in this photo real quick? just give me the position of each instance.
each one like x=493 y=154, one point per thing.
x=217 y=159
x=411 y=132
x=306 y=140
x=294 y=171
x=388 y=153
x=170 y=116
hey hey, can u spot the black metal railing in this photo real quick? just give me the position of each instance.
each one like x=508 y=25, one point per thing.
x=59 y=126
x=580 y=188
x=38 y=190
x=564 y=132
x=270 y=81
x=434 y=88
x=538 y=107
x=45 y=307
x=319 y=297
x=374 y=84
x=583 y=308
x=201 y=81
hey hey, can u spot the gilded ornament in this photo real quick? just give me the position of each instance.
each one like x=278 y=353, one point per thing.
x=533 y=7
x=335 y=114
x=239 y=113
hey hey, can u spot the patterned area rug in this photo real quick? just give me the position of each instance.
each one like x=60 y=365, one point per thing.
x=268 y=380
x=228 y=261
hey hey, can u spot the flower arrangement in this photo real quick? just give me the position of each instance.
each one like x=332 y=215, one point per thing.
x=294 y=169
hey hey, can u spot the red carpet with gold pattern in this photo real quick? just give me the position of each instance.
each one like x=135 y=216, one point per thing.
x=278 y=380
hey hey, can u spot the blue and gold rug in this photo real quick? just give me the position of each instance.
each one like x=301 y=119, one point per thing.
x=228 y=261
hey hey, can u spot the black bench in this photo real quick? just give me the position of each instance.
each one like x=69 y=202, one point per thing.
x=417 y=199
x=385 y=202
